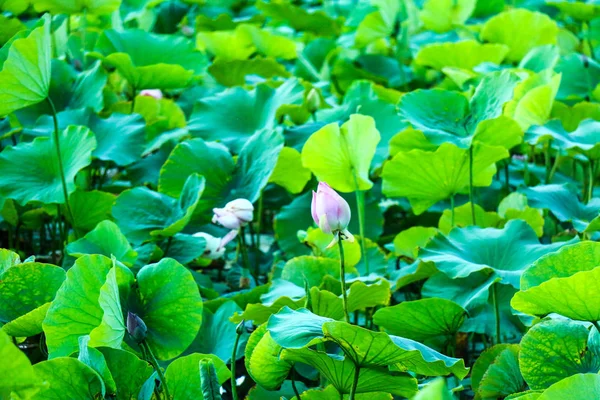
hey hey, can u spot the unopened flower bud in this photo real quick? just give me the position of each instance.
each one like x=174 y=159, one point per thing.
x=136 y=327
x=156 y=93
x=240 y=328
x=313 y=100
x=331 y=212
x=234 y=215
x=213 y=249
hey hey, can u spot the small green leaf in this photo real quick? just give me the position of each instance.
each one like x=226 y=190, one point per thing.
x=289 y=172
x=67 y=378
x=17 y=378
x=106 y=239
x=465 y=54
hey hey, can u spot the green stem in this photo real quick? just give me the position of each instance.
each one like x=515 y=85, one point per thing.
x=133 y=100
x=452 y=211
x=152 y=360
x=355 y=382
x=360 y=204
x=233 y=361
x=244 y=251
x=507 y=176
x=496 y=311
x=526 y=169
x=547 y=162
x=258 y=230
x=343 y=278
x=293 y=376
x=554 y=167
x=590 y=191
x=60 y=165
x=471 y=189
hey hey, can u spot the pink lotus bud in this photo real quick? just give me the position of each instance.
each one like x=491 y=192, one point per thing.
x=331 y=212
x=234 y=215
x=136 y=327
x=156 y=93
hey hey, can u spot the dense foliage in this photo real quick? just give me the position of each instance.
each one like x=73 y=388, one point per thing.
x=160 y=235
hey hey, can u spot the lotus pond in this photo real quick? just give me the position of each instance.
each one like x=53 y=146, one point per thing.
x=299 y=199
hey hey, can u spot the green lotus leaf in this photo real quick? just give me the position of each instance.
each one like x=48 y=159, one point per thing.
x=98 y=7
x=362 y=295
x=150 y=61
x=87 y=303
x=211 y=388
x=331 y=393
x=417 y=271
x=364 y=347
x=90 y=208
x=318 y=22
x=502 y=376
x=29 y=324
x=8 y=259
x=255 y=110
x=185 y=248
x=42 y=171
x=362 y=97
x=259 y=313
x=318 y=241
x=217 y=334
x=183 y=375
x=484 y=361
x=69 y=378
x=426 y=177
x=18 y=379
x=474 y=294
x=25 y=287
x=540 y=58
x=25 y=75
x=163 y=216
x=128 y=371
x=263 y=362
x=563 y=203
x=286 y=390
x=310 y=269
x=565 y=262
x=554 y=350
x=581 y=10
x=268 y=43
x=94 y=359
x=521 y=30
x=571 y=117
x=505 y=252
x=579 y=386
x=170 y=305
x=533 y=99
x=106 y=239
x=466 y=54
x=289 y=172
x=16 y=7
x=584 y=140
x=443 y=15
x=235 y=72
x=571 y=67
x=450 y=117
x=434 y=390
x=378 y=24
x=408 y=242
x=463 y=218
x=326 y=304
x=342 y=157
x=226 y=45
x=421 y=320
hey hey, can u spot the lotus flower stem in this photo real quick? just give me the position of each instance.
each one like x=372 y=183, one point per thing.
x=360 y=204
x=293 y=376
x=547 y=162
x=244 y=253
x=471 y=189
x=60 y=165
x=554 y=167
x=355 y=382
x=238 y=334
x=590 y=191
x=496 y=312
x=154 y=362
x=343 y=279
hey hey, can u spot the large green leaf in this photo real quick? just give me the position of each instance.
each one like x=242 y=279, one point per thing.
x=505 y=252
x=183 y=375
x=162 y=216
x=579 y=386
x=298 y=329
x=263 y=361
x=25 y=75
x=521 y=30
x=254 y=110
x=67 y=378
x=106 y=239
x=148 y=60
x=342 y=156
x=25 y=287
x=421 y=320
x=317 y=22
x=443 y=15
x=583 y=140
x=90 y=208
x=77 y=6
x=555 y=349
x=39 y=179
x=170 y=304
x=17 y=378
x=503 y=376
x=465 y=54
x=426 y=177
x=128 y=371
x=289 y=171
x=87 y=304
